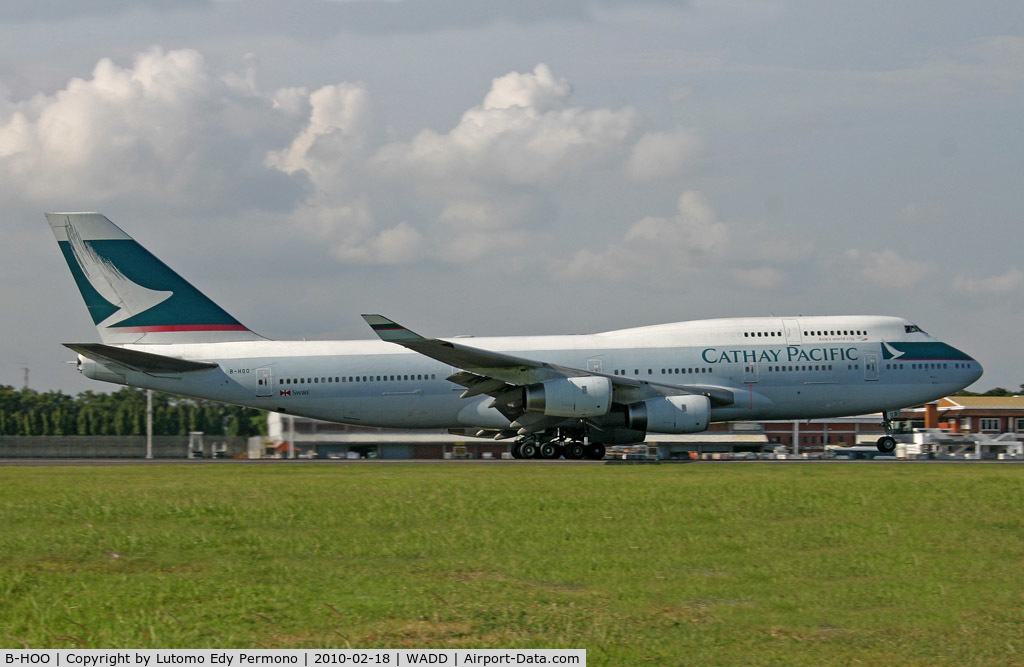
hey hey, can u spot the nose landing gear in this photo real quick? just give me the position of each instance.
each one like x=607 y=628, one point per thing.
x=887 y=444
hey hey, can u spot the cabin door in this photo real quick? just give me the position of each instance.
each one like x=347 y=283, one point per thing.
x=793 y=335
x=870 y=366
x=263 y=382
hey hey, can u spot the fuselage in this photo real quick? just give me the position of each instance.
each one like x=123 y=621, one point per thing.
x=778 y=368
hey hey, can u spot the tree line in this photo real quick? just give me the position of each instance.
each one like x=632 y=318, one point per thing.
x=123 y=412
x=998 y=391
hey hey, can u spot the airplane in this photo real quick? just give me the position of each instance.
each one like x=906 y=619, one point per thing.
x=558 y=396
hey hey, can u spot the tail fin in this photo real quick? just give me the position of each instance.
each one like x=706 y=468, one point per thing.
x=132 y=296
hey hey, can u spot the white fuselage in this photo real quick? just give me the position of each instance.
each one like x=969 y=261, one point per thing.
x=778 y=368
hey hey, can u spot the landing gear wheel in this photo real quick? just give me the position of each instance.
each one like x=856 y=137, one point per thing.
x=550 y=450
x=575 y=451
x=595 y=452
x=527 y=450
x=887 y=444
x=514 y=451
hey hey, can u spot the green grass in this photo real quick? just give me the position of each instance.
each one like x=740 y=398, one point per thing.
x=672 y=564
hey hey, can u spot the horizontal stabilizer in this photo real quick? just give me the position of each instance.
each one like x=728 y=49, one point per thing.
x=145 y=362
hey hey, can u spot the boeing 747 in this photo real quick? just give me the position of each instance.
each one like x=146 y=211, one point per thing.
x=550 y=396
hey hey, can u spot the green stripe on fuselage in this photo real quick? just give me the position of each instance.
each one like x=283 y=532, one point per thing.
x=923 y=351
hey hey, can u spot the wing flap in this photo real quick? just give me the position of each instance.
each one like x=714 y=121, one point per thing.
x=478 y=384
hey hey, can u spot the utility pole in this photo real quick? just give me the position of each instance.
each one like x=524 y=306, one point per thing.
x=291 y=436
x=149 y=423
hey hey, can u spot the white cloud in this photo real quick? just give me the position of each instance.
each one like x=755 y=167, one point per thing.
x=333 y=141
x=887 y=268
x=656 y=246
x=162 y=128
x=400 y=244
x=170 y=130
x=1007 y=284
x=520 y=135
x=456 y=196
x=695 y=228
x=659 y=155
x=539 y=91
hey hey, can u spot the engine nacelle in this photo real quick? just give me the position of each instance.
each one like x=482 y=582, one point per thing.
x=670 y=414
x=588 y=396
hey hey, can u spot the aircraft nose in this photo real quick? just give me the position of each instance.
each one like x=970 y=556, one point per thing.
x=974 y=370
x=978 y=371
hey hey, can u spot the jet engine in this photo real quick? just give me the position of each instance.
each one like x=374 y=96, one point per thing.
x=588 y=396
x=670 y=414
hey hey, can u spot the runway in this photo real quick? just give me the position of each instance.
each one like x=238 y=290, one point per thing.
x=14 y=463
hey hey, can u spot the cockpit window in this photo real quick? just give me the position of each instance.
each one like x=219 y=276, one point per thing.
x=912 y=328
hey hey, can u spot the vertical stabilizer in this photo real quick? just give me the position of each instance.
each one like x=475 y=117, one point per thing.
x=131 y=295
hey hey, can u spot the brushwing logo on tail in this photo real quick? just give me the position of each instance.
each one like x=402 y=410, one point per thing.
x=129 y=297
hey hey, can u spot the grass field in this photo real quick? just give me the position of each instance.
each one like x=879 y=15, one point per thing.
x=672 y=564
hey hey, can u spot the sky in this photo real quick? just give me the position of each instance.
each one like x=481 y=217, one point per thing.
x=494 y=168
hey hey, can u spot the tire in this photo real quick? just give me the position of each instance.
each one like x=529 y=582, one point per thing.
x=595 y=452
x=575 y=451
x=527 y=450
x=549 y=450
x=513 y=449
x=886 y=444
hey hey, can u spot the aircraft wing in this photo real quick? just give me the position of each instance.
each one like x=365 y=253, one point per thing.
x=145 y=362
x=497 y=374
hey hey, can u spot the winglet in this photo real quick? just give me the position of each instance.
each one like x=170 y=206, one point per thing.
x=391 y=331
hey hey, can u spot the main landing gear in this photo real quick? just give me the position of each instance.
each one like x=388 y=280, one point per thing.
x=887 y=444
x=532 y=448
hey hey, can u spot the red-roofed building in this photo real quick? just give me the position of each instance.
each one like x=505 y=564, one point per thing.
x=991 y=415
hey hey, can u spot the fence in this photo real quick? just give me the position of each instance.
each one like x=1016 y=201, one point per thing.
x=113 y=447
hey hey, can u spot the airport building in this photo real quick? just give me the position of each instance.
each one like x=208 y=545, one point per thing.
x=991 y=415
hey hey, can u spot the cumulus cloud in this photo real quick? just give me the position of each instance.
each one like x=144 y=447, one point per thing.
x=520 y=135
x=168 y=129
x=659 y=155
x=653 y=245
x=468 y=192
x=887 y=268
x=333 y=141
x=540 y=90
x=162 y=128
x=397 y=245
x=1007 y=284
